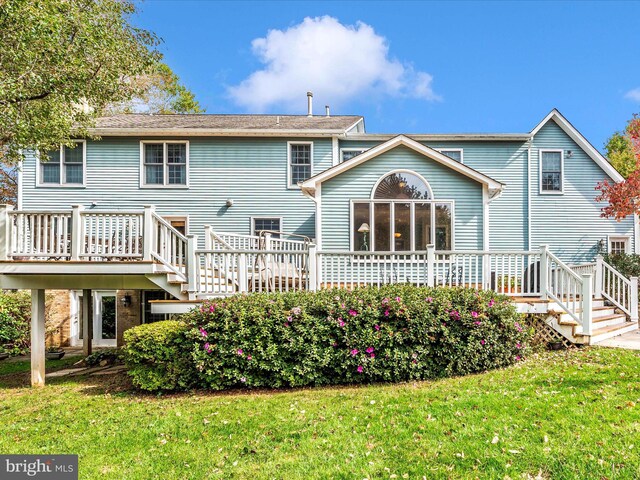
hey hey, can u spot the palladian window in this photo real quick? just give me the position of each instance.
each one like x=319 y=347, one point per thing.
x=401 y=216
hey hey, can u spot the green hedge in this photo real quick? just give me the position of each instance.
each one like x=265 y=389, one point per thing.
x=626 y=263
x=394 y=333
x=15 y=317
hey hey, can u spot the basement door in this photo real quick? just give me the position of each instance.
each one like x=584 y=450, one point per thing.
x=104 y=319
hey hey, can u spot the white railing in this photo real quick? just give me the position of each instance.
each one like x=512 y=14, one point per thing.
x=169 y=247
x=111 y=235
x=39 y=234
x=615 y=287
x=231 y=241
x=236 y=271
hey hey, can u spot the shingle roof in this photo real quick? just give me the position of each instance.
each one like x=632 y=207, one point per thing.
x=337 y=123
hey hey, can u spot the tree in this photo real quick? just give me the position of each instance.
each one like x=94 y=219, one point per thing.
x=62 y=62
x=619 y=149
x=624 y=198
x=160 y=92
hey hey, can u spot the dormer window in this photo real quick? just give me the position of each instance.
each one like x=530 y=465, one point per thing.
x=453 y=153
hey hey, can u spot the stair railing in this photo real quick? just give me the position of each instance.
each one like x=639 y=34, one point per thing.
x=167 y=245
x=616 y=288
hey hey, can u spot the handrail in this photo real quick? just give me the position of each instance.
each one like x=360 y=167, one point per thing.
x=170 y=247
x=566 y=288
x=616 y=287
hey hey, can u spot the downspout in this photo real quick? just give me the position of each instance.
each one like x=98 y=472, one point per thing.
x=530 y=143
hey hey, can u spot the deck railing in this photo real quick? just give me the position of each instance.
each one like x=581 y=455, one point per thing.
x=108 y=235
x=37 y=235
x=618 y=289
x=169 y=247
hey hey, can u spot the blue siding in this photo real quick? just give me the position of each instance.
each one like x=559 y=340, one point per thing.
x=358 y=182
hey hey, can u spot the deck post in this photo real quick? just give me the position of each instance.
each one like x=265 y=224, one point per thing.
x=267 y=241
x=77 y=233
x=147 y=235
x=87 y=321
x=192 y=264
x=633 y=307
x=243 y=284
x=313 y=268
x=208 y=244
x=599 y=278
x=587 y=303
x=431 y=263
x=544 y=271
x=37 y=338
x=5 y=231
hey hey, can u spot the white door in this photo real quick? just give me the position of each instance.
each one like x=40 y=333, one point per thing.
x=104 y=319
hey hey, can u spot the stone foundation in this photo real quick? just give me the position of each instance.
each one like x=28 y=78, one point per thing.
x=128 y=316
x=58 y=318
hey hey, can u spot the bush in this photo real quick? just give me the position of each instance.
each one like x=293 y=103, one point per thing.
x=626 y=263
x=15 y=317
x=393 y=333
x=156 y=357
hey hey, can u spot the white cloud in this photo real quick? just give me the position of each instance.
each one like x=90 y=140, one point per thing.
x=633 y=95
x=337 y=62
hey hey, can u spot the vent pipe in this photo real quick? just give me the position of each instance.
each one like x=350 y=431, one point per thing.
x=326 y=110
x=309 y=104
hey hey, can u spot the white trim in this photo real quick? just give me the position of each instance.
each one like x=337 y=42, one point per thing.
x=582 y=142
x=97 y=339
x=412 y=203
x=529 y=215
x=357 y=125
x=291 y=186
x=445 y=150
x=486 y=237
x=319 y=217
x=165 y=165
x=311 y=183
x=401 y=170
x=61 y=183
x=636 y=234
x=551 y=192
x=20 y=184
x=445 y=137
x=342 y=150
x=265 y=217
x=336 y=153
x=619 y=238
x=173 y=218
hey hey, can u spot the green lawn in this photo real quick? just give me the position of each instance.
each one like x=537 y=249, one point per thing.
x=560 y=415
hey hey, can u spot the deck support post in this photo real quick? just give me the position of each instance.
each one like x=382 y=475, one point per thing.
x=5 y=231
x=37 y=338
x=599 y=278
x=544 y=271
x=77 y=233
x=313 y=268
x=587 y=303
x=633 y=307
x=147 y=235
x=192 y=265
x=87 y=322
x=431 y=263
x=243 y=284
x=208 y=244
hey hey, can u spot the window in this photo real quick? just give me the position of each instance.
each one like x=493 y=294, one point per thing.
x=299 y=165
x=165 y=164
x=551 y=171
x=349 y=153
x=64 y=167
x=401 y=216
x=453 y=153
x=147 y=297
x=619 y=245
x=270 y=224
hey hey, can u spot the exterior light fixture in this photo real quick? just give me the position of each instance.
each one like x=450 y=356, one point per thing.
x=569 y=153
x=126 y=301
x=229 y=202
x=397 y=235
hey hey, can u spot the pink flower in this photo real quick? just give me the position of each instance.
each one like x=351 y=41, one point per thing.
x=249 y=357
x=477 y=323
x=429 y=299
x=369 y=350
x=341 y=322
x=354 y=352
x=482 y=342
x=377 y=327
x=386 y=313
x=289 y=318
x=343 y=305
x=296 y=310
x=212 y=308
x=334 y=344
x=360 y=369
x=398 y=299
x=385 y=301
x=454 y=315
x=518 y=327
x=207 y=347
x=203 y=332
x=286 y=324
x=474 y=314
x=239 y=352
x=518 y=345
x=517 y=358
x=353 y=313
x=373 y=355
x=414 y=361
x=243 y=380
x=491 y=303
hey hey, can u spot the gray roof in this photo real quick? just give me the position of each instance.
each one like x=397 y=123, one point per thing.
x=248 y=123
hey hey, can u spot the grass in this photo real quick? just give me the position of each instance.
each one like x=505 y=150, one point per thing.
x=573 y=414
x=18 y=365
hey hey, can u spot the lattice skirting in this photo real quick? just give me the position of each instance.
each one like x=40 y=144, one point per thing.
x=544 y=334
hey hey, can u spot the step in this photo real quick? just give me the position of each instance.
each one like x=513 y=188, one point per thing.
x=601 y=321
x=610 y=331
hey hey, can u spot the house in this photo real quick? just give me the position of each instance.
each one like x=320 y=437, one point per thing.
x=165 y=210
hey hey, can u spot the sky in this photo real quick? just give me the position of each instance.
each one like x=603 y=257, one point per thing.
x=410 y=67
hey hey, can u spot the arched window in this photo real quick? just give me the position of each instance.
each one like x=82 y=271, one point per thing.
x=402 y=185
x=401 y=216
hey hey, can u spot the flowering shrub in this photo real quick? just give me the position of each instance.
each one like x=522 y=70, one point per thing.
x=393 y=333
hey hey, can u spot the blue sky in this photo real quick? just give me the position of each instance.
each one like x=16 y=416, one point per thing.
x=410 y=67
